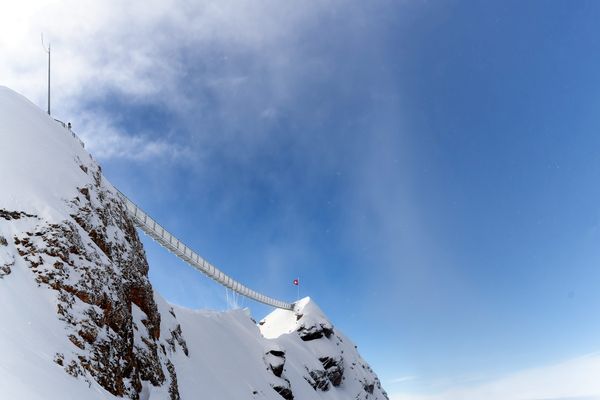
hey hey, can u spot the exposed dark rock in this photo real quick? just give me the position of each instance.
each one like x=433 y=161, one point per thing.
x=369 y=387
x=173 y=387
x=314 y=332
x=284 y=390
x=176 y=337
x=378 y=384
x=334 y=369
x=59 y=359
x=74 y=369
x=277 y=369
x=85 y=192
x=277 y=353
x=275 y=360
x=10 y=215
x=7 y=261
x=318 y=380
x=5 y=270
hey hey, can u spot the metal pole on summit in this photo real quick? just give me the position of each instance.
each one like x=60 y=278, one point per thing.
x=47 y=51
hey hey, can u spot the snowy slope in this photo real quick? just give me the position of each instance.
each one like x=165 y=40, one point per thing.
x=36 y=174
x=79 y=318
x=38 y=169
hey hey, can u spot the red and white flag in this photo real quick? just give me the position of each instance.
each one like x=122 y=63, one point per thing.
x=296 y=282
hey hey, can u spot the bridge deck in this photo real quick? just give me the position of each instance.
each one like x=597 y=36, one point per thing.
x=175 y=246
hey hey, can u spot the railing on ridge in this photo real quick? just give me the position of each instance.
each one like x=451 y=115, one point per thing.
x=71 y=131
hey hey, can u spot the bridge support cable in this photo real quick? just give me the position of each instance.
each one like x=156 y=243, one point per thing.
x=175 y=246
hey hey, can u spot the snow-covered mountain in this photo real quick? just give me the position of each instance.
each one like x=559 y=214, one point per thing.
x=79 y=318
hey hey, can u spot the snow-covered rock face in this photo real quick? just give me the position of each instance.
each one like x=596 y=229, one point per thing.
x=79 y=318
x=96 y=265
x=319 y=355
x=76 y=239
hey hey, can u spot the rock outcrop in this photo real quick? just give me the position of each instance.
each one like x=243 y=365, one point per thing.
x=330 y=361
x=7 y=260
x=95 y=263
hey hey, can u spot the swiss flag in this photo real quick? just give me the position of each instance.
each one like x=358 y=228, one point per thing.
x=296 y=282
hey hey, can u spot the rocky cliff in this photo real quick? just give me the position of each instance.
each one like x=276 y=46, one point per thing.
x=80 y=319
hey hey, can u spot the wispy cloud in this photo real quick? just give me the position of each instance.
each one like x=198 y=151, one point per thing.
x=572 y=379
x=402 y=379
x=107 y=141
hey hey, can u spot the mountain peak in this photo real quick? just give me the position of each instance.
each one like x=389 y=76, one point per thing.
x=306 y=313
x=80 y=318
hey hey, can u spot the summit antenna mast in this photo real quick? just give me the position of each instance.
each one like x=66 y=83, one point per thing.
x=47 y=50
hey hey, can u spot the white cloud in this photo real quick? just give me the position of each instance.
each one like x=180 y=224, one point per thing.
x=159 y=52
x=107 y=141
x=577 y=378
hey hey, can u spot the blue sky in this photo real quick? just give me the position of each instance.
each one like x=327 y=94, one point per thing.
x=429 y=171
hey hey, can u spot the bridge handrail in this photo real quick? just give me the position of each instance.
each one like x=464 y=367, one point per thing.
x=175 y=246
x=64 y=125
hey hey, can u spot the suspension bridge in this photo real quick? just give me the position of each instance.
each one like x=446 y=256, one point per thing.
x=167 y=240
x=170 y=242
x=178 y=248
